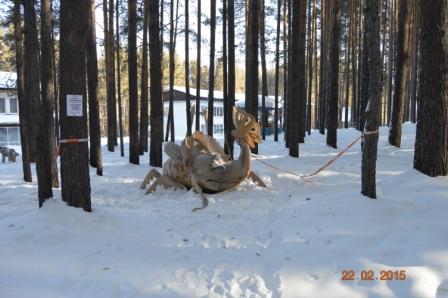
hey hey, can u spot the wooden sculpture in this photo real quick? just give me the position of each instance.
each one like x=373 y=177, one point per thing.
x=200 y=162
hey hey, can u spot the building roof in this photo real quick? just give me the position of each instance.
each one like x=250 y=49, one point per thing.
x=240 y=98
x=8 y=80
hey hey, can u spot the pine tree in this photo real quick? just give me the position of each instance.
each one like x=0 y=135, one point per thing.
x=92 y=85
x=144 y=86
x=187 y=69
x=228 y=127
x=370 y=141
x=23 y=105
x=155 y=73
x=277 y=70
x=134 y=145
x=198 y=70
x=211 y=76
x=401 y=70
x=332 y=115
x=252 y=59
x=296 y=77
x=75 y=178
x=431 y=143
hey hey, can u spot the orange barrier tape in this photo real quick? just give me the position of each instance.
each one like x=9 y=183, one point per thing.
x=73 y=141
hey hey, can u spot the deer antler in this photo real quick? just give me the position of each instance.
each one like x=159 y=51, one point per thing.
x=247 y=128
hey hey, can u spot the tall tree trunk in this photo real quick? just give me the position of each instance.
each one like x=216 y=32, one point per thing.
x=401 y=66
x=40 y=107
x=23 y=101
x=365 y=76
x=228 y=123
x=431 y=143
x=348 y=59
x=47 y=89
x=391 y=59
x=323 y=64
x=134 y=147
x=354 y=45
x=31 y=73
x=75 y=178
x=96 y=160
x=144 y=86
x=155 y=73
x=277 y=69
x=231 y=80
x=332 y=116
x=370 y=141
x=252 y=28
x=286 y=6
x=120 y=107
x=311 y=29
x=109 y=80
x=187 y=69
x=316 y=67
x=172 y=68
x=211 y=76
x=264 y=76
x=414 y=64
x=198 y=70
x=296 y=76
x=112 y=66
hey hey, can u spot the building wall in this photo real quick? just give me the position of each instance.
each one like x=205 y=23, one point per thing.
x=9 y=119
x=180 y=118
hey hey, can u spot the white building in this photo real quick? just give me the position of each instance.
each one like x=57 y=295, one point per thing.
x=180 y=114
x=9 y=110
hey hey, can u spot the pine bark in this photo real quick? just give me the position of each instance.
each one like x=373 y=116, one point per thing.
x=401 y=67
x=211 y=76
x=75 y=178
x=231 y=79
x=431 y=144
x=311 y=30
x=155 y=73
x=332 y=115
x=134 y=145
x=277 y=70
x=47 y=90
x=23 y=101
x=120 y=107
x=187 y=69
x=370 y=141
x=198 y=70
x=296 y=75
x=92 y=85
x=143 y=142
x=264 y=77
x=110 y=85
x=365 y=75
x=40 y=106
x=252 y=28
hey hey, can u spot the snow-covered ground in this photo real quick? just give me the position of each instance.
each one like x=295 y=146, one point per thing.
x=292 y=239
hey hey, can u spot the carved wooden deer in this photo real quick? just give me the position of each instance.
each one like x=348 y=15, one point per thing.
x=200 y=162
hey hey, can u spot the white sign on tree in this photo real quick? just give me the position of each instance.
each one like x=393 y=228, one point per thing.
x=74 y=105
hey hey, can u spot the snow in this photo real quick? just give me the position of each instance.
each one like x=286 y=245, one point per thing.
x=292 y=239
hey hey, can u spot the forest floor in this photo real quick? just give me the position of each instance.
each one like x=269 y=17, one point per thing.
x=293 y=239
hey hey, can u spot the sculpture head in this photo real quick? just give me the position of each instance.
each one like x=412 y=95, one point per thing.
x=247 y=130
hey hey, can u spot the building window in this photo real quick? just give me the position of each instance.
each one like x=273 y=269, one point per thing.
x=218 y=129
x=3 y=136
x=203 y=127
x=9 y=136
x=218 y=111
x=13 y=108
x=2 y=105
